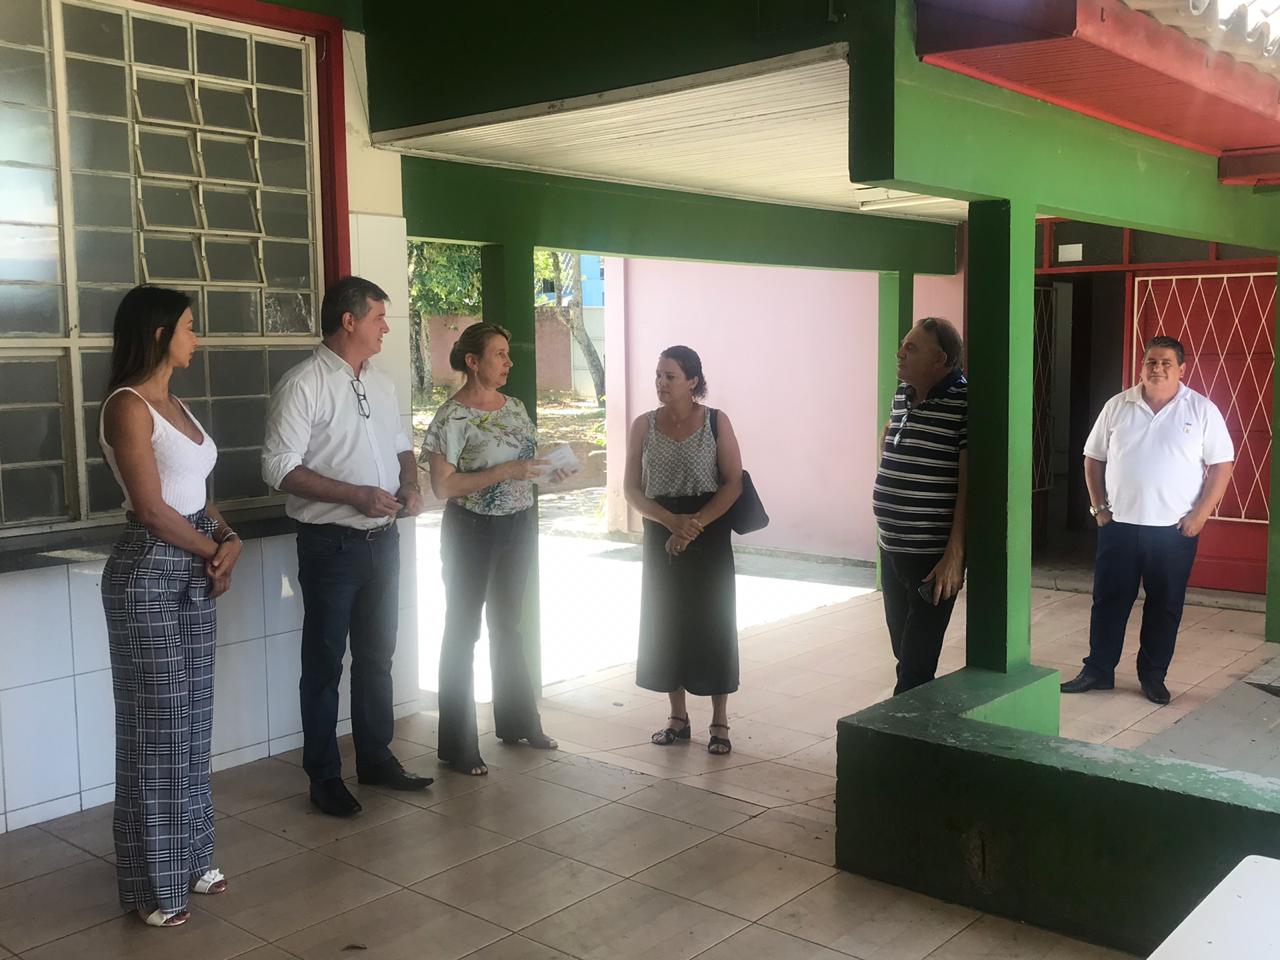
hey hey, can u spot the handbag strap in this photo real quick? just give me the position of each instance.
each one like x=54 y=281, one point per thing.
x=715 y=432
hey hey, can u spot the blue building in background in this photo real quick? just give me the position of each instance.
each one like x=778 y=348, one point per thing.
x=592 y=280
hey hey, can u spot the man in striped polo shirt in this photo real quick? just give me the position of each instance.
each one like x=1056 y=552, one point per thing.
x=919 y=497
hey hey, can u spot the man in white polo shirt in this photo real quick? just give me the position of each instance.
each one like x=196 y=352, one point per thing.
x=1157 y=463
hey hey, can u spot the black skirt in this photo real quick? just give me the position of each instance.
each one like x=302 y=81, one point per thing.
x=688 y=609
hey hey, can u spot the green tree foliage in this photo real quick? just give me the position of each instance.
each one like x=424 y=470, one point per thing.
x=444 y=280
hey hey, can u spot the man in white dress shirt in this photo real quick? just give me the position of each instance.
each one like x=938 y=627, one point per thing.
x=335 y=445
x=1157 y=463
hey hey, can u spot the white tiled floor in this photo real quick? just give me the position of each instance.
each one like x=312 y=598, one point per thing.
x=610 y=848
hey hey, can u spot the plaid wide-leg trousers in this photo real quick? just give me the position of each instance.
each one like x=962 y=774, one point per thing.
x=161 y=631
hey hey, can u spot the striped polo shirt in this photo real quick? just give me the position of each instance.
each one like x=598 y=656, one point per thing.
x=915 y=493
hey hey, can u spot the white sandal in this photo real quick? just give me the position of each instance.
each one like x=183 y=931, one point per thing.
x=164 y=918
x=208 y=880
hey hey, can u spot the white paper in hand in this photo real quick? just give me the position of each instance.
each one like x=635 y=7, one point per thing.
x=561 y=458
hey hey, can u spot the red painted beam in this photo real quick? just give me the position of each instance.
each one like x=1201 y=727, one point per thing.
x=1111 y=63
x=1250 y=168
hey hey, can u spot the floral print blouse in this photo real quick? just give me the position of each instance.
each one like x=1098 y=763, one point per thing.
x=472 y=440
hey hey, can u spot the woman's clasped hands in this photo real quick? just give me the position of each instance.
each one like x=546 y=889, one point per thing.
x=684 y=528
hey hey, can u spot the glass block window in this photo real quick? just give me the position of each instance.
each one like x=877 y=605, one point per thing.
x=159 y=150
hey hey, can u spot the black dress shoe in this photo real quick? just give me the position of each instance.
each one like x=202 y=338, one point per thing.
x=393 y=776
x=332 y=797
x=1156 y=691
x=1087 y=681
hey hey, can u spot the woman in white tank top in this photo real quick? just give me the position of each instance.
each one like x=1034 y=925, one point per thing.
x=175 y=557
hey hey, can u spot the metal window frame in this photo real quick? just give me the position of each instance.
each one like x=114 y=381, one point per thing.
x=158 y=76
x=197 y=205
x=230 y=86
x=73 y=344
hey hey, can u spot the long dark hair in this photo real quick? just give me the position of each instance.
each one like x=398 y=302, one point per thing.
x=473 y=341
x=136 y=351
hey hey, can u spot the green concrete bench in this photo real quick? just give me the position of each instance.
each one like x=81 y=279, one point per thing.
x=961 y=789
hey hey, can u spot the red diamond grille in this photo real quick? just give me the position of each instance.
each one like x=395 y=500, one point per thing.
x=1226 y=324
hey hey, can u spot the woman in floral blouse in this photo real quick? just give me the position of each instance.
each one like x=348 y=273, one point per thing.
x=481 y=450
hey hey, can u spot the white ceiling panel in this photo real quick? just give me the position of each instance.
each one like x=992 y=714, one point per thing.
x=780 y=136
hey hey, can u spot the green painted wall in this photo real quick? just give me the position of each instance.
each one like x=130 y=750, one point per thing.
x=454 y=201
x=479 y=57
x=350 y=12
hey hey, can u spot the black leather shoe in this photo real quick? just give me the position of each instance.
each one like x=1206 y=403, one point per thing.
x=1087 y=681
x=1156 y=691
x=332 y=797
x=393 y=776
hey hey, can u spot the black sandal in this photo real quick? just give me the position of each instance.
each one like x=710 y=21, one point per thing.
x=668 y=736
x=719 y=745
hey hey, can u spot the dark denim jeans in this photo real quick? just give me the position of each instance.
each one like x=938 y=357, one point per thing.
x=350 y=584
x=486 y=562
x=916 y=626
x=1159 y=557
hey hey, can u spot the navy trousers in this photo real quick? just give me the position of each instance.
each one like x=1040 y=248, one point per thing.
x=350 y=585
x=1160 y=559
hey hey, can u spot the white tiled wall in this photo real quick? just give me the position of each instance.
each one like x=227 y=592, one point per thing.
x=57 y=716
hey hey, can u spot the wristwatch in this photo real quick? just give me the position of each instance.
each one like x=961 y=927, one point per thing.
x=1103 y=507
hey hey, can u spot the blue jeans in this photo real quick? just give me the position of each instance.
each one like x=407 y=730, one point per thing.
x=350 y=584
x=1158 y=557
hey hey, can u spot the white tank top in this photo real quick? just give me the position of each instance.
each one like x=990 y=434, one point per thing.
x=183 y=464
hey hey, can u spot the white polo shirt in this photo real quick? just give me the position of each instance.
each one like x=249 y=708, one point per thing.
x=1156 y=461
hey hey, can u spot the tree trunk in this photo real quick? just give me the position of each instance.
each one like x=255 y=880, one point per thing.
x=571 y=314
x=420 y=352
x=426 y=382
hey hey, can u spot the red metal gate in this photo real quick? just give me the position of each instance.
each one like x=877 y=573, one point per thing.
x=1226 y=323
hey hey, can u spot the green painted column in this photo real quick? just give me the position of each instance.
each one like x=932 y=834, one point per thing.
x=1273 y=528
x=999 y=351
x=506 y=289
x=896 y=304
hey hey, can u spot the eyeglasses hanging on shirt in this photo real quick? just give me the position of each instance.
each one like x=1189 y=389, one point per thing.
x=902 y=425
x=362 y=399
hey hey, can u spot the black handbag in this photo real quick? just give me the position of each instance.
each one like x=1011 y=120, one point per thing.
x=747 y=515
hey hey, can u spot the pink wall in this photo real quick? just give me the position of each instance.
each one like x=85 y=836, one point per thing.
x=790 y=355
x=553 y=350
x=940 y=297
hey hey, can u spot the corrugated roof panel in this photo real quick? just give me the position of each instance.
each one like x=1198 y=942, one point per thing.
x=1249 y=30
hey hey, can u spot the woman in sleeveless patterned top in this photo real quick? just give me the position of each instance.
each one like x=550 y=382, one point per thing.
x=684 y=472
x=175 y=556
